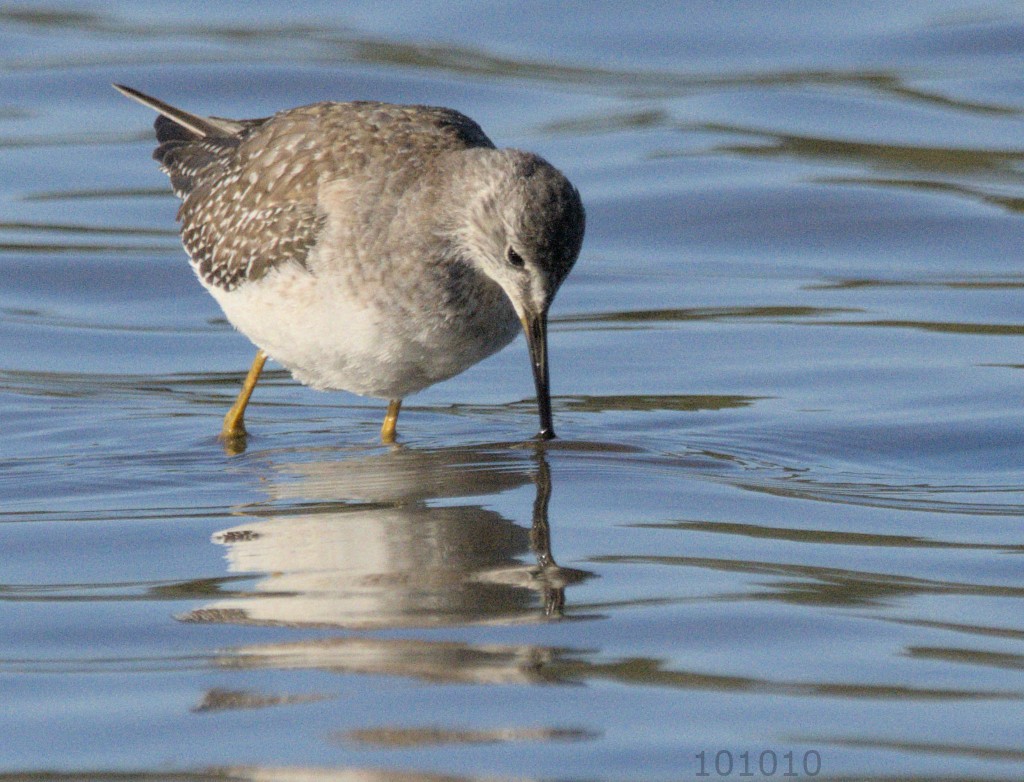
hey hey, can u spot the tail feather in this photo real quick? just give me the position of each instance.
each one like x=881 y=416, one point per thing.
x=197 y=126
x=189 y=145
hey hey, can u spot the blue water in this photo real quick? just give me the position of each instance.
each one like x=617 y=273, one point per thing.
x=784 y=511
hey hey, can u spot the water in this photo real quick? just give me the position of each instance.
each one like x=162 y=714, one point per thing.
x=786 y=503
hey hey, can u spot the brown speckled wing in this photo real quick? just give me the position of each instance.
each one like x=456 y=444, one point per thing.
x=232 y=227
x=250 y=198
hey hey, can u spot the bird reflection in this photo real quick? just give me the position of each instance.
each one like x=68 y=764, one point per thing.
x=389 y=540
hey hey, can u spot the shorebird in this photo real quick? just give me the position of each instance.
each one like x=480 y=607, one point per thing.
x=370 y=247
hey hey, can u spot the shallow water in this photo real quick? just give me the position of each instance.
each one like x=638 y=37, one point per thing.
x=782 y=523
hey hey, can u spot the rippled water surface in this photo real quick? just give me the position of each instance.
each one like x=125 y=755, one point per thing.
x=783 y=521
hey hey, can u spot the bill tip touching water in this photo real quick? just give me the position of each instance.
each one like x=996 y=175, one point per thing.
x=370 y=247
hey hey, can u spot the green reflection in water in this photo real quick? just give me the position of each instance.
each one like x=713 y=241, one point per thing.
x=652 y=402
x=647 y=672
x=685 y=314
x=959 y=160
x=982 y=631
x=88 y=384
x=972 y=192
x=65 y=248
x=81 y=228
x=612 y=122
x=856 y=283
x=1005 y=660
x=50 y=17
x=825 y=537
x=968 y=329
x=976 y=751
x=813 y=585
x=23 y=238
x=99 y=194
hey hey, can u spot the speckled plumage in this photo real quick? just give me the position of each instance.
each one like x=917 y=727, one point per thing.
x=267 y=174
x=367 y=246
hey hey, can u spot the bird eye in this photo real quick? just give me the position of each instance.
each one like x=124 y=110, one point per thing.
x=515 y=259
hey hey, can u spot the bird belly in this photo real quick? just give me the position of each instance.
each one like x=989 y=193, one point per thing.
x=329 y=338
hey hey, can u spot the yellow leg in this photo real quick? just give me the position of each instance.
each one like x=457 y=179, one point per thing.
x=387 y=430
x=234 y=421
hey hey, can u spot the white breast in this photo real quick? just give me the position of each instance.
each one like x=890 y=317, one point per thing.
x=330 y=338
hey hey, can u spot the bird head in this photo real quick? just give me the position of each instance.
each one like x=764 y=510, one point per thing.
x=523 y=227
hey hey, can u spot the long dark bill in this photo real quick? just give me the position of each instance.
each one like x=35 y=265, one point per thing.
x=536 y=328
